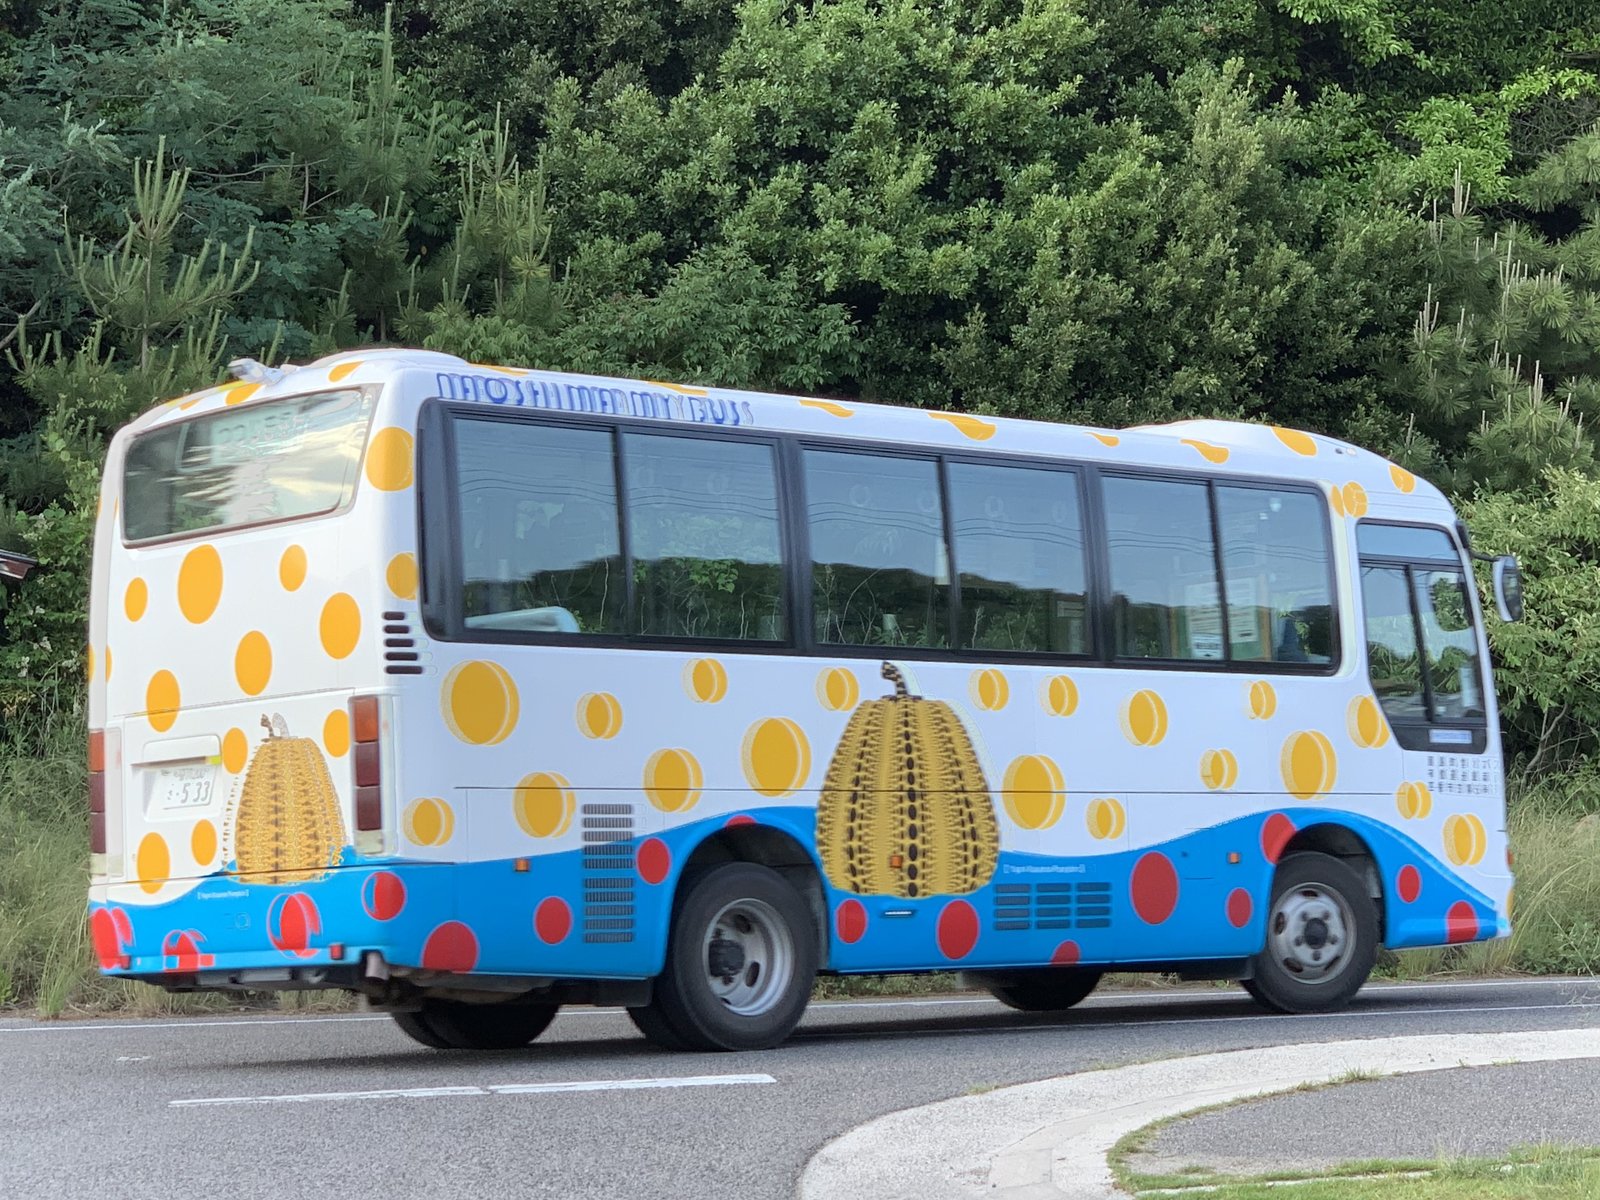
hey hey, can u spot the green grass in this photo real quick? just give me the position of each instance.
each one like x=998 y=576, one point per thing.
x=1534 y=1173
x=45 y=964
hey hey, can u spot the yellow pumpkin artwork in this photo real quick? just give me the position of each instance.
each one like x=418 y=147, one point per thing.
x=905 y=809
x=285 y=825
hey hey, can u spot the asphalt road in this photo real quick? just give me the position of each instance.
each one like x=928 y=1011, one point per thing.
x=200 y=1107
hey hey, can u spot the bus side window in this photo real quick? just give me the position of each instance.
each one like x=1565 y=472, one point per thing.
x=1276 y=559
x=879 y=572
x=538 y=513
x=703 y=527
x=1163 y=569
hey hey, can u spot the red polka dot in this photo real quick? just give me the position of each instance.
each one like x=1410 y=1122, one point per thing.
x=383 y=895
x=1408 y=883
x=1275 y=835
x=123 y=925
x=1066 y=954
x=180 y=951
x=1154 y=887
x=1460 y=923
x=654 y=860
x=450 y=947
x=850 y=919
x=103 y=933
x=958 y=929
x=741 y=819
x=552 y=920
x=1239 y=908
x=292 y=921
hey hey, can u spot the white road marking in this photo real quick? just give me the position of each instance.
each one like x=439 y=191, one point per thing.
x=490 y=1089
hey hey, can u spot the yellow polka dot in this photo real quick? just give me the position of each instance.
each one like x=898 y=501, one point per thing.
x=1106 y=439
x=203 y=843
x=1413 y=800
x=1355 y=500
x=989 y=690
x=972 y=427
x=1364 y=720
x=1310 y=767
x=340 y=625
x=1465 y=839
x=136 y=599
x=776 y=756
x=544 y=804
x=429 y=822
x=1059 y=695
x=389 y=466
x=153 y=862
x=88 y=662
x=1106 y=818
x=1300 y=443
x=235 y=750
x=402 y=576
x=292 y=568
x=343 y=371
x=1144 y=718
x=599 y=715
x=1336 y=502
x=672 y=780
x=336 y=733
x=827 y=406
x=1403 y=479
x=1034 y=792
x=252 y=663
x=1261 y=700
x=200 y=583
x=108 y=664
x=480 y=703
x=162 y=701
x=706 y=680
x=1219 y=769
x=837 y=689
x=240 y=392
x=1212 y=454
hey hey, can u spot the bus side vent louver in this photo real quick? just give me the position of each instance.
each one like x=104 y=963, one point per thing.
x=1021 y=906
x=608 y=873
x=400 y=654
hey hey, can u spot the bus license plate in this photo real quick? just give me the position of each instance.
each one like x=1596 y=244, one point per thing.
x=184 y=787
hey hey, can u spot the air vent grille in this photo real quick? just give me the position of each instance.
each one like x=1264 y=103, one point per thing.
x=608 y=874
x=1084 y=905
x=400 y=653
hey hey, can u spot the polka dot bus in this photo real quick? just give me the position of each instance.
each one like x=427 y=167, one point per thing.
x=478 y=691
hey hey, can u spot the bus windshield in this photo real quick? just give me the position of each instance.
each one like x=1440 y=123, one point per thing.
x=248 y=466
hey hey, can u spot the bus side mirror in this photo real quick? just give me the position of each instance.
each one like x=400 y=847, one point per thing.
x=1508 y=588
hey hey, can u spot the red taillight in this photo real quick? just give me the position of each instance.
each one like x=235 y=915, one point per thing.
x=97 y=791
x=367 y=762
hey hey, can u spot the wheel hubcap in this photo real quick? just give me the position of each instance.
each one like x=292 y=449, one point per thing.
x=749 y=957
x=1311 y=933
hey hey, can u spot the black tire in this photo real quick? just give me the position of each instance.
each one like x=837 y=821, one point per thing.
x=733 y=917
x=1321 y=901
x=454 y=1025
x=415 y=1026
x=1047 y=990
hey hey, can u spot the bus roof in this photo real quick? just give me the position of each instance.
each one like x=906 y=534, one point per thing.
x=1226 y=447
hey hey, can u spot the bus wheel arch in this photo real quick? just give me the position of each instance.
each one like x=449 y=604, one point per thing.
x=1342 y=842
x=766 y=846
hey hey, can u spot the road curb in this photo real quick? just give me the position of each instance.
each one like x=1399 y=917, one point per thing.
x=1049 y=1140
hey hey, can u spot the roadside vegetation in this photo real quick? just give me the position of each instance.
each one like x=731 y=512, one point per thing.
x=1376 y=220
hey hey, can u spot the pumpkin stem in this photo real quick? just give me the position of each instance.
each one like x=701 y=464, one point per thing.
x=266 y=723
x=280 y=725
x=892 y=674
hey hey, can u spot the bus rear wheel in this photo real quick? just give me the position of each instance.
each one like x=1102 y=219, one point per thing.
x=453 y=1025
x=741 y=959
x=1322 y=937
x=1047 y=990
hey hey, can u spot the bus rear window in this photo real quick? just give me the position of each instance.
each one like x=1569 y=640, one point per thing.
x=249 y=466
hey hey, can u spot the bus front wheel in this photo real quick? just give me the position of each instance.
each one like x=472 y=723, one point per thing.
x=1321 y=938
x=741 y=959
x=454 y=1025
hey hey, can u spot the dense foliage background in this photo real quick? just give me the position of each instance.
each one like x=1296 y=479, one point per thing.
x=1375 y=219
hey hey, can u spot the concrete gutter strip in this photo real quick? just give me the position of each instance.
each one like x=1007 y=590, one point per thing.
x=1049 y=1140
